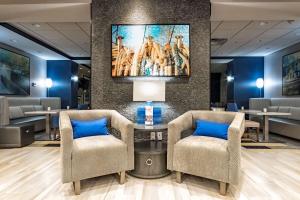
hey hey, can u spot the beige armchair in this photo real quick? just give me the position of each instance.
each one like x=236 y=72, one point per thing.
x=207 y=157
x=88 y=157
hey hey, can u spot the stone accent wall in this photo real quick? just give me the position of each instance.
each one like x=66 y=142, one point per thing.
x=181 y=94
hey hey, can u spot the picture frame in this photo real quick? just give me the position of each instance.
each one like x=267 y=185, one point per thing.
x=291 y=74
x=167 y=60
x=11 y=68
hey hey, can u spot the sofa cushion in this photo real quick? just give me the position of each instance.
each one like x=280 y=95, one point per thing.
x=105 y=154
x=273 y=109
x=15 y=112
x=32 y=119
x=295 y=113
x=38 y=107
x=285 y=109
x=27 y=108
x=53 y=102
x=285 y=121
x=21 y=101
x=202 y=155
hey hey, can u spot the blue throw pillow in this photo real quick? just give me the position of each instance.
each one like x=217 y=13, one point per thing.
x=85 y=128
x=211 y=129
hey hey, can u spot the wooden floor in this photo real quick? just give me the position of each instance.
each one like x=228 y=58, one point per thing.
x=34 y=173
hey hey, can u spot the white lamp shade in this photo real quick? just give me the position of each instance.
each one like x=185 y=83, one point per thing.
x=149 y=90
x=260 y=83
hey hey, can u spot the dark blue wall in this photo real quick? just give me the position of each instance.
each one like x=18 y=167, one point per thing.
x=61 y=71
x=246 y=70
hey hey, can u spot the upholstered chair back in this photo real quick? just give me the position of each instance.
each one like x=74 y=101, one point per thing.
x=92 y=114
x=223 y=117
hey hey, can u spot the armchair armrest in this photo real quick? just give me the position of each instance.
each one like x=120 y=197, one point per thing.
x=66 y=135
x=235 y=132
x=126 y=128
x=175 y=128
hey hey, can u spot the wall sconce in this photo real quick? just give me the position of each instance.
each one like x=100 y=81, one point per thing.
x=74 y=78
x=260 y=84
x=230 y=78
x=48 y=83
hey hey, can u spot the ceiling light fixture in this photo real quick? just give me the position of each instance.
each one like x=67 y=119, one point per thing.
x=230 y=78
x=218 y=41
x=74 y=78
x=263 y=23
x=36 y=25
x=290 y=21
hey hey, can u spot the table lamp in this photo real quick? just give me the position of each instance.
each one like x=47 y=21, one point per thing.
x=149 y=91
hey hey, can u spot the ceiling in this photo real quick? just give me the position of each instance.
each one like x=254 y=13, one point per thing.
x=253 y=38
x=45 y=11
x=71 y=38
x=15 y=40
x=255 y=10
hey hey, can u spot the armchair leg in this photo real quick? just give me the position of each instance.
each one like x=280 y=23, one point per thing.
x=77 y=187
x=122 y=177
x=178 y=177
x=223 y=188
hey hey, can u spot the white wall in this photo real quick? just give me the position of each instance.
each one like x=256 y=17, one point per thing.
x=38 y=71
x=273 y=71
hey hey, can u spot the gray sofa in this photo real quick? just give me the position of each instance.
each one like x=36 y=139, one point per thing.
x=283 y=125
x=12 y=110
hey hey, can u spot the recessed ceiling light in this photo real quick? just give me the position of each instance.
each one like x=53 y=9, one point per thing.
x=13 y=40
x=36 y=25
x=263 y=23
x=290 y=21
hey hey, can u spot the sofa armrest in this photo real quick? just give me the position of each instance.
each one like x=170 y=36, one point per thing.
x=175 y=128
x=66 y=135
x=126 y=128
x=235 y=132
x=4 y=111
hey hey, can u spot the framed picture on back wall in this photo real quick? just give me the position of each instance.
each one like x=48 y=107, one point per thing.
x=291 y=74
x=14 y=73
x=150 y=50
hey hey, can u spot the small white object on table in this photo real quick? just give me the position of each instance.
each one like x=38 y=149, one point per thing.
x=266 y=116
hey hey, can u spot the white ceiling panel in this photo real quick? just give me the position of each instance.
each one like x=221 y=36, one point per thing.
x=15 y=40
x=214 y=25
x=65 y=26
x=254 y=38
x=70 y=38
